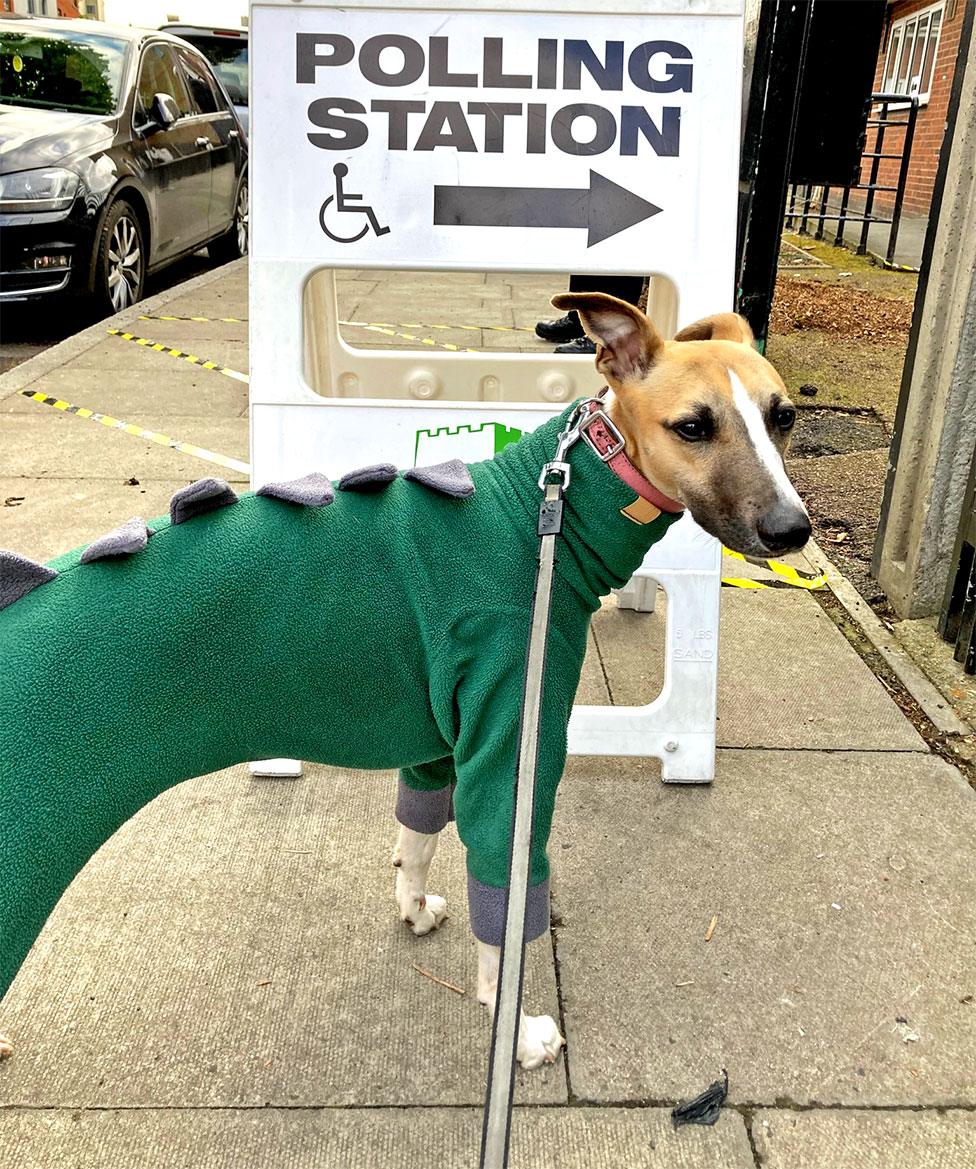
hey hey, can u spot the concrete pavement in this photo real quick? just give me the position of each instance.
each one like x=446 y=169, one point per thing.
x=226 y=984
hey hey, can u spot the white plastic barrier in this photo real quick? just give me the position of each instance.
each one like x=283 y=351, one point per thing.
x=620 y=156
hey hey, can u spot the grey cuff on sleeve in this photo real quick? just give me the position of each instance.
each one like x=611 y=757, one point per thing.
x=486 y=905
x=424 y=811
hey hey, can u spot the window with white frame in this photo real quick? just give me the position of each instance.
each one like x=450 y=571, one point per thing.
x=913 y=43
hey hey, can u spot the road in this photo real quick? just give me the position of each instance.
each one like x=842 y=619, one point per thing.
x=28 y=327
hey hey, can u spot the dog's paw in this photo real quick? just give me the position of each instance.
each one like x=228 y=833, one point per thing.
x=6 y=1047
x=539 y=1041
x=425 y=914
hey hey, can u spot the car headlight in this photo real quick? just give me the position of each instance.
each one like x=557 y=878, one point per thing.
x=49 y=189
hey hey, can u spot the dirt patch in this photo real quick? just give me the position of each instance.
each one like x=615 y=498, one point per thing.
x=839 y=311
x=836 y=432
x=852 y=271
x=841 y=333
x=853 y=374
x=843 y=495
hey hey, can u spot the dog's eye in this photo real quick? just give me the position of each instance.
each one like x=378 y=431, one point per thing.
x=693 y=429
x=784 y=417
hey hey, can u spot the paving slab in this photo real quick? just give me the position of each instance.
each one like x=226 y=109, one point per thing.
x=839 y=1139
x=434 y=281
x=46 y=517
x=126 y=358
x=170 y=389
x=223 y=297
x=237 y=943
x=845 y=895
x=787 y=675
x=592 y=689
x=567 y=1138
x=183 y=334
x=454 y=308
x=53 y=444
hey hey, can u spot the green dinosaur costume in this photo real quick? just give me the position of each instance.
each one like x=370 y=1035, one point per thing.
x=386 y=630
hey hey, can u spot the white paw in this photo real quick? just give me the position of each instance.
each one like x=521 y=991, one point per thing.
x=426 y=914
x=6 y=1047
x=539 y=1041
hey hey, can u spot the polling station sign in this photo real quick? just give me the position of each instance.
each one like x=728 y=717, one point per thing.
x=404 y=137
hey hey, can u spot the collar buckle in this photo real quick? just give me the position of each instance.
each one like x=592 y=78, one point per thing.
x=606 y=445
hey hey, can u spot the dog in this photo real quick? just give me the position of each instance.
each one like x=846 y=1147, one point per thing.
x=706 y=419
x=393 y=624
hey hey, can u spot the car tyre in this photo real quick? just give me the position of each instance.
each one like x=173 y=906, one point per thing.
x=120 y=261
x=233 y=243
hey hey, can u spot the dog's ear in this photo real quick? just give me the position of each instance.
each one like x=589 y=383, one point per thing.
x=720 y=327
x=627 y=344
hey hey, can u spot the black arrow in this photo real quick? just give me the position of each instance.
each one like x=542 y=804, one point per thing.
x=604 y=208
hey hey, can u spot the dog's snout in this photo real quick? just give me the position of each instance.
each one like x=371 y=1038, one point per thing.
x=784 y=529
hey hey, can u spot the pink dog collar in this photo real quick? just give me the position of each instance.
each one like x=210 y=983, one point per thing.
x=606 y=441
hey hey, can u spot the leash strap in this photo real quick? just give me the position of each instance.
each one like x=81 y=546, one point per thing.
x=497 y=1126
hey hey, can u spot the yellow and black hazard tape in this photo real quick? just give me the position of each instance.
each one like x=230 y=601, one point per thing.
x=175 y=444
x=788 y=576
x=442 y=327
x=389 y=331
x=202 y=363
x=196 y=320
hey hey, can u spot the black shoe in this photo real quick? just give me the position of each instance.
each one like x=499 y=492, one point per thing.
x=565 y=329
x=580 y=345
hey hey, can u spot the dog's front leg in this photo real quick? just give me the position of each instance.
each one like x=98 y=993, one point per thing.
x=539 y=1040
x=414 y=851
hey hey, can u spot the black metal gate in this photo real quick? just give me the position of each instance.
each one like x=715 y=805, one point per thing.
x=957 y=621
x=890 y=113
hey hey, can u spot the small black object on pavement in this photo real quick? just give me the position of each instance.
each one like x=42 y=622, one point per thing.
x=704 y=1109
x=566 y=328
x=579 y=345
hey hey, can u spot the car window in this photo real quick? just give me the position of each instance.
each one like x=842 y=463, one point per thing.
x=203 y=93
x=228 y=57
x=159 y=73
x=51 y=69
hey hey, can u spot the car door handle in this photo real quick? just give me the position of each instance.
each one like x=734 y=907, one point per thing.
x=203 y=142
x=233 y=134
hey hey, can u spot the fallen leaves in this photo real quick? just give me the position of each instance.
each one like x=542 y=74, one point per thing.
x=845 y=311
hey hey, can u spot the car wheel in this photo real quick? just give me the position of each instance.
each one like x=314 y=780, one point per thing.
x=120 y=265
x=233 y=243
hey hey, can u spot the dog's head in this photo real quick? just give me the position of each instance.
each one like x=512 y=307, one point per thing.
x=706 y=419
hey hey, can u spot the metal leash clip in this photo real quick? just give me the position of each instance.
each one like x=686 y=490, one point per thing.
x=558 y=470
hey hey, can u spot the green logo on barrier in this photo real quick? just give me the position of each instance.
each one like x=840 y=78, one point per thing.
x=466 y=442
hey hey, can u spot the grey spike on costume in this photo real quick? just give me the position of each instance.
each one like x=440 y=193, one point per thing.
x=373 y=478
x=125 y=540
x=19 y=576
x=450 y=478
x=204 y=495
x=312 y=490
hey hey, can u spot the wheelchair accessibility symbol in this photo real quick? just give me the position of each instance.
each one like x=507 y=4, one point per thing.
x=342 y=203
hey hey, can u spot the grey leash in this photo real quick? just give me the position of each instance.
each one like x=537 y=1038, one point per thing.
x=496 y=1130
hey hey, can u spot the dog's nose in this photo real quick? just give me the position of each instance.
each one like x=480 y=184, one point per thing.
x=785 y=528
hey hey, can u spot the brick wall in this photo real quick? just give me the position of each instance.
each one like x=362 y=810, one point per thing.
x=930 y=124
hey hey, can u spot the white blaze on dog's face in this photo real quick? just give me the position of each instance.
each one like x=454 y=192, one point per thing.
x=706 y=419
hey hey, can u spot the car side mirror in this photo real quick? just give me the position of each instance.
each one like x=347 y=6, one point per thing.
x=164 y=111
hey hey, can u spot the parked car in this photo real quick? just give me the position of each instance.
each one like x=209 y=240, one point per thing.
x=226 y=50
x=120 y=151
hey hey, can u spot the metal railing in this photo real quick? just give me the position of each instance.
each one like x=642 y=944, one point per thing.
x=902 y=119
x=957 y=621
